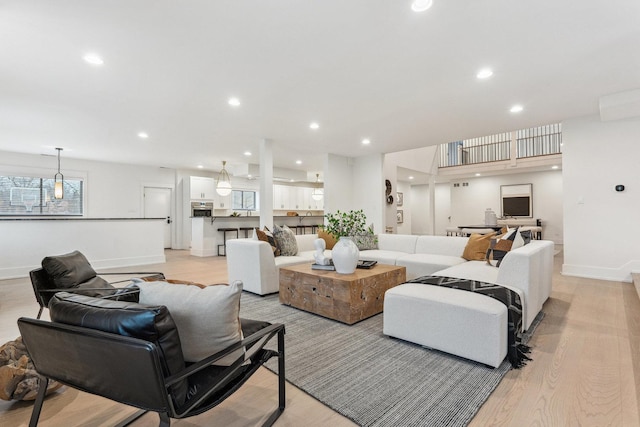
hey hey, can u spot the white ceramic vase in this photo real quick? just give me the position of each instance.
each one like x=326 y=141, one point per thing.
x=345 y=255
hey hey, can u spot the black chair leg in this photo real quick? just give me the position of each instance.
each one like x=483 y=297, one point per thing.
x=39 y=312
x=281 y=376
x=43 y=383
x=131 y=418
x=281 y=383
x=165 y=421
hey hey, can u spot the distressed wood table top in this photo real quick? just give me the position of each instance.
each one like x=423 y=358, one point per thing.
x=347 y=298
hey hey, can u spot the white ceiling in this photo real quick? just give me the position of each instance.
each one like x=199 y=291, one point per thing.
x=360 y=68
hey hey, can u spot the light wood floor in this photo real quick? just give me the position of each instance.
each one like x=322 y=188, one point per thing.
x=585 y=372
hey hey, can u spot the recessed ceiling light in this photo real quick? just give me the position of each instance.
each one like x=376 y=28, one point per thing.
x=249 y=176
x=298 y=162
x=516 y=109
x=247 y=153
x=554 y=167
x=485 y=73
x=234 y=102
x=200 y=166
x=366 y=141
x=143 y=135
x=477 y=174
x=314 y=125
x=421 y=5
x=411 y=177
x=93 y=59
x=291 y=180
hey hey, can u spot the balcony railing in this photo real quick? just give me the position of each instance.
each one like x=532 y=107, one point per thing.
x=539 y=141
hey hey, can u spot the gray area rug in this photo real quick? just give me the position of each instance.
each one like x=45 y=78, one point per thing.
x=373 y=379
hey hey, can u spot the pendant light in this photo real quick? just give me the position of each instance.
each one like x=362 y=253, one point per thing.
x=58 y=181
x=223 y=184
x=317 y=192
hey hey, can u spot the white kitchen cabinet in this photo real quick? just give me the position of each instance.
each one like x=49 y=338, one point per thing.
x=202 y=188
x=280 y=197
x=309 y=202
x=222 y=202
x=294 y=198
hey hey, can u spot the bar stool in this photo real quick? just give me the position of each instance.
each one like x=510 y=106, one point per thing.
x=224 y=237
x=453 y=231
x=246 y=231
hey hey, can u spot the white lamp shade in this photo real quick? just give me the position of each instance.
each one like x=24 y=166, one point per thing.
x=57 y=190
x=223 y=188
x=317 y=194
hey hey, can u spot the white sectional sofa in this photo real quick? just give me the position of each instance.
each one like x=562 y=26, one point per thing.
x=528 y=268
x=418 y=313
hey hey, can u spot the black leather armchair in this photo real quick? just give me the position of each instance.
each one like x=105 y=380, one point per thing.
x=131 y=353
x=72 y=272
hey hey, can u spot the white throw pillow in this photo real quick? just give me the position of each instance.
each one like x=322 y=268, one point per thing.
x=207 y=319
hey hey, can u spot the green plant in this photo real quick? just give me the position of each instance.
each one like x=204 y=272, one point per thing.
x=342 y=224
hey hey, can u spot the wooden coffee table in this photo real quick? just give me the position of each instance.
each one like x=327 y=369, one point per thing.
x=347 y=298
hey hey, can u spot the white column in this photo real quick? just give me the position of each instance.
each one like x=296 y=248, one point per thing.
x=266 y=184
x=432 y=204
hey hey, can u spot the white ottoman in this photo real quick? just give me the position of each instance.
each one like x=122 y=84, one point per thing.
x=458 y=322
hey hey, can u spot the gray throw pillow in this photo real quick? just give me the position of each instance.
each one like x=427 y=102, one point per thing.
x=286 y=240
x=365 y=241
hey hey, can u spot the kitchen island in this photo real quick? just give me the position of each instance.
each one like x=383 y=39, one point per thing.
x=205 y=236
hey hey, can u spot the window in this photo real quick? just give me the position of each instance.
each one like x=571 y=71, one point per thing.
x=243 y=200
x=29 y=195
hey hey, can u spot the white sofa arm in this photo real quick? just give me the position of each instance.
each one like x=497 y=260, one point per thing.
x=252 y=262
x=530 y=269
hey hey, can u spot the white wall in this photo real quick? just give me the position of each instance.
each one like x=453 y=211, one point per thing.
x=112 y=190
x=418 y=209
x=407 y=208
x=367 y=188
x=338 y=173
x=468 y=203
x=600 y=224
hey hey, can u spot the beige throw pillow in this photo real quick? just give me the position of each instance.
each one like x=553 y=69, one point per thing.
x=207 y=319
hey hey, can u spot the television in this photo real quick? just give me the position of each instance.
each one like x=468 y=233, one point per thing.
x=516 y=206
x=516 y=200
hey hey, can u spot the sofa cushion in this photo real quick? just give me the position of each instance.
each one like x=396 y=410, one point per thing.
x=501 y=245
x=266 y=236
x=397 y=243
x=472 y=270
x=301 y=258
x=425 y=264
x=328 y=238
x=441 y=245
x=476 y=248
x=150 y=323
x=207 y=319
x=382 y=256
x=365 y=241
x=69 y=270
x=286 y=240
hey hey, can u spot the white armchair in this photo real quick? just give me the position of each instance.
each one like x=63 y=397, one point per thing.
x=252 y=262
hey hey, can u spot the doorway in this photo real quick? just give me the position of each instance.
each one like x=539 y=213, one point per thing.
x=157 y=204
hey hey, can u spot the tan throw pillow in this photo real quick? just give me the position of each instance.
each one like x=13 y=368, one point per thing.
x=266 y=236
x=329 y=239
x=476 y=249
x=207 y=319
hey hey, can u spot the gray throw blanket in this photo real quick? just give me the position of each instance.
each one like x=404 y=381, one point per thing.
x=516 y=352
